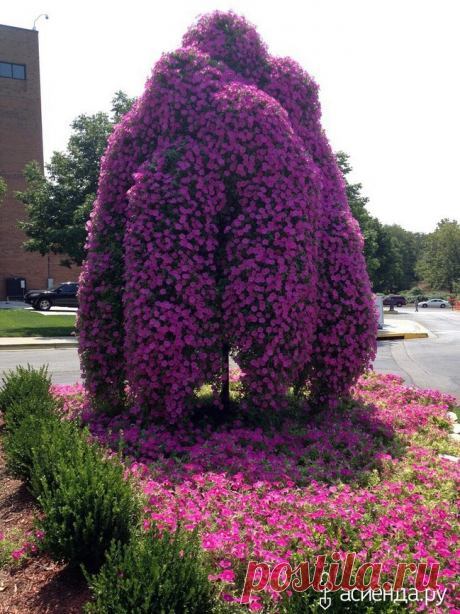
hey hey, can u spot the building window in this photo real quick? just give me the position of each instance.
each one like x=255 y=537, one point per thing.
x=12 y=71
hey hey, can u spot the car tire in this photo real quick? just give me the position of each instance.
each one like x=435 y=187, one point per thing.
x=443 y=306
x=44 y=304
x=424 y=306
x=399 y=304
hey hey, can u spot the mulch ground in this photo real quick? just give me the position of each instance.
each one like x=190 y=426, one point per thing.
x=37 y=585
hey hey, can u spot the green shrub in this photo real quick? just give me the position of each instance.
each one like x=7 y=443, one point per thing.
x=21 y=443
x=153 y=575
x=24 y=392
x=27 y=403
x=57 y=442
x=81 y=489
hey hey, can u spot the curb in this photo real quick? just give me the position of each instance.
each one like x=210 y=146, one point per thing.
x=400 y=335
x=41 y=343
x=404 y=329
x=37 y=343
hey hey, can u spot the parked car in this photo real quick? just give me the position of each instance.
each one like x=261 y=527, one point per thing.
x=60 y=295
x=399 y=301
x=434 y=302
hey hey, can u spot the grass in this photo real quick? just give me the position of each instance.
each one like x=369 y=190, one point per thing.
x=10 y=542
x=23 y=323
x=456 y=410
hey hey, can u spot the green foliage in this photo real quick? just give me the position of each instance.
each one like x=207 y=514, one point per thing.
x=456 y=411
x=389 y=269
x=52 y=445
x=12 y=540
x=406 y=248
x=440 y=265
x=27 y=405
x=24 y=392
x=390 y=251
x=121 y=104
x=58 y=204
x=86 y=501
x=21 y=443
x=157 y=574
x=2 y=188
x=366 y=222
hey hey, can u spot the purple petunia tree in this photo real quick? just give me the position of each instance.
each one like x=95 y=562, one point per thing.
x=221 y=228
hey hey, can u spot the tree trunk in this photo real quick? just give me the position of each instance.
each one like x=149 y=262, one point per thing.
x=225 y=391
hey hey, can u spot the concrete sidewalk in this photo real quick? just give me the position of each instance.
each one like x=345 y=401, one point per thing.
x=37 y=343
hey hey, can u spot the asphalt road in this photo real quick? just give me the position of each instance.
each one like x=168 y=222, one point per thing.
x=63 y=365
x=431 y=363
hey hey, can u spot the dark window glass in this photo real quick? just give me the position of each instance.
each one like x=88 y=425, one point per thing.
x=12 y=71
x=6 y=70
x=19 y=71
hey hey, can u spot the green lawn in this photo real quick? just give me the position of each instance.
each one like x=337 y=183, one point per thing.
x=22 y=323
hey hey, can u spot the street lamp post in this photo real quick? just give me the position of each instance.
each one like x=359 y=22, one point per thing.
x=42 y=15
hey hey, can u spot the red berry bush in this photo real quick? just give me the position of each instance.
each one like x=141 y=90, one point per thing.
x=221 y=227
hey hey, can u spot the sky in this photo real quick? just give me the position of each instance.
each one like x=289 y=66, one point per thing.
x=388 y=72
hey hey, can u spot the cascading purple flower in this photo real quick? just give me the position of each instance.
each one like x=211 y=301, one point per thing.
x=221 y=221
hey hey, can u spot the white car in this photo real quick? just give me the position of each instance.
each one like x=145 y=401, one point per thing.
x=434 y=302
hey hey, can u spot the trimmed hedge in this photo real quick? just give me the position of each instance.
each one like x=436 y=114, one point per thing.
x=25 y=391
x=160 y=574
x=26 y=403
x=86 y=500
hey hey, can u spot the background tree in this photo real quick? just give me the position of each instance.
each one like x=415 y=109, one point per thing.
x=390 y=251
x=58 y=203
x=368 y=224
x=2 y=188
x=215 y=232
x=389 y=270
x=383 y=261
x=439 y=264
x=407 y=247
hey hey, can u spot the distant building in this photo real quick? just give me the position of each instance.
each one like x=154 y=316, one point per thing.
x=21 y=142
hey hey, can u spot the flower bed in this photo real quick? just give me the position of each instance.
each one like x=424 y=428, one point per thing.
x=367 y=480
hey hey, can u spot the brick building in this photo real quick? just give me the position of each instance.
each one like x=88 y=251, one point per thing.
x=21 y=142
